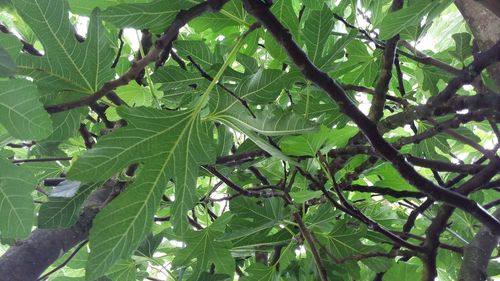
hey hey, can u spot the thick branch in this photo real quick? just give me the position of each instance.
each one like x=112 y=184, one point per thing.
x=439 y=223
x=262 y=13
x=28 y=259
x=477 y=254
x=181 y=19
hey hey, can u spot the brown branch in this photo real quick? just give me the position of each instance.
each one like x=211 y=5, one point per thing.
x=47 y=159
x=86 y=136
x=425 y=59
x=369 y=129
x=29 y=258
x=399 y=74
x=442 y=166
x=439 y=223
x=27 y=47
x=181 y=19
x=120 y=48
x=468 y=74
x=492 y=5
x=237 y=188
x=384 y=191
x=385 y=74
x=361 y=89
x=65 y=262
x=312 y=246
x=207 y=76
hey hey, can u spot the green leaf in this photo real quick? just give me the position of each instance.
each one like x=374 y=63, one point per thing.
x=262 y=87
x=171 y=145
x=198 y=50
x=203 y=246
x=149 y=245
x=361 y=66
x=402 y=271
x=7 y=65
x=428 y=148
x=230 y=112
x=173 y=77
x=21 y=112
x=124 y=270
x=317 y=29
x=66 y=124
x=304 y=195
x=252 y=216
x=310 y=144
x=319 y=106
x=119 y=228
x=463 y=47
x=16 y=204
x=60 y=212
x=345 y=241
x=272 y=121
x=67 y=64
x=395 y=22
x=155 y=16
x=390 y=178
x=11 y=45
x=283 y=11
x=86 y=7
x=232 y=14
x=431 y=76
x=260 y=272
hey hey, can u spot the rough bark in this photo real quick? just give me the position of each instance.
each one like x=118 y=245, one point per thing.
x=492 y=5
x=485 y=27
x=28 y=259
x=477 y=254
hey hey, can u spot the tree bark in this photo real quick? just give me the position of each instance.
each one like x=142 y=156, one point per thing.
x=477 y=254
x=485 y=27
x=492 y=5
x=26 y=260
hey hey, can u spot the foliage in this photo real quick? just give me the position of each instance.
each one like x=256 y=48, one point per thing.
x=225 y=160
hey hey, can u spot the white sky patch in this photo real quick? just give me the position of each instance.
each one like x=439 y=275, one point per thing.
x=300 y=251
x=81 y=26
x=130 y=35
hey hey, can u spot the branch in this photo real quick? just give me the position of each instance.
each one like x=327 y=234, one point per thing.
x=382 y=85
x=27 y=47
x=310 y=240
x=442 y=166
x=29 y=258
x=65 y=262
x=48 y=159
x=425 y=59
x=334 y=90
x=492 y=5
x=181 y=19
x=384 y=191
x=439 y=223
x=468 y=74
x=120 y=48
x=207 y=76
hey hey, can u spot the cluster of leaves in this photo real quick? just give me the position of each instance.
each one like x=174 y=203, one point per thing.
x=231 y=140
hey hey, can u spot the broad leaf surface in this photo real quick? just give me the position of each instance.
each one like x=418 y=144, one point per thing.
x=21 y=112
x=203 y=246
x=16 y=204
x=81 y=67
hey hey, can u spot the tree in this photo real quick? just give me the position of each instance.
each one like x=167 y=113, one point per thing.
x=249 y=139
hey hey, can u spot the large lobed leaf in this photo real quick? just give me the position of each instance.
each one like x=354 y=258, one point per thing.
x=67 y=64
x=171 y=145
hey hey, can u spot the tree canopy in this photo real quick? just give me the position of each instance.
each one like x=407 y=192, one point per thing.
x=249 y=140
